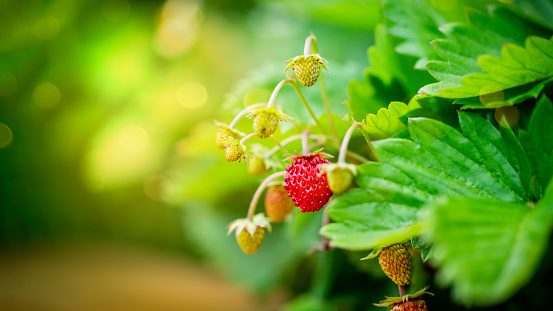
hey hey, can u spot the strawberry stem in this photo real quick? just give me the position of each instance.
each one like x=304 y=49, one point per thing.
x=310 y=41
x=305 y=142
x=345 y=142
x=328 y=111
x=279 y=145
x=272 y=99
x=243 y=113
x=259 y=190
x=401 y=290
x=243 y=140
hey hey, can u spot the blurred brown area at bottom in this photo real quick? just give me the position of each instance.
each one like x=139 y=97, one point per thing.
x=107 y=277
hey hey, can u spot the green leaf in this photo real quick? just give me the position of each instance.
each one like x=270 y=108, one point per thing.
x=487 y=139
x=439 y=161
x=507 y=97
x=417 y=24
x=386 y=123
x=362 y=224
x=427 y=249
x=488 y=249
x=519 y=160
x=472 y=66
x=390 y=77
x=537 y=140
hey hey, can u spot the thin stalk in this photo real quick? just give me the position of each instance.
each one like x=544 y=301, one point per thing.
x=272 y=99
x=279 y=145
x=345 y=142
x=259 y=190
x=327 y=107
x=326 y=220
x=304 y=101
x=357 y=157
x=309 y=41
x=291 y=139
x=305 y=142
x=243 y=113
x=243 y=140
x=401 y=290
x=293 y=83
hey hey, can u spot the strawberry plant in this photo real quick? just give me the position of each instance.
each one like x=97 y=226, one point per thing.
x=450 y=160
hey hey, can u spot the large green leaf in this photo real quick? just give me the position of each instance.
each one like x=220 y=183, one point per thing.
x=538 y=141
x=362 y=223
x=440 y=161
x=390 y=77
x=386 y=123
x=471 y=54
x=417 y=24
x=488 y=249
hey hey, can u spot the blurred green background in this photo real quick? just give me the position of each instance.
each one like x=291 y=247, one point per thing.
x=108 y=165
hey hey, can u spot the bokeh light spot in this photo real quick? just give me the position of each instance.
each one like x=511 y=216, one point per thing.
x=8 y=84
x=178 y=27
x=255 y=96
x=6 y=136
x=158 y=187
x=116 y=10
x=510 y=113
x=192 y=95
x=490 y=94
x=46 y=95
x=47 y=28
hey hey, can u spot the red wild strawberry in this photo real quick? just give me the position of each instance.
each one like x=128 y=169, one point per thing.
x=305 y=185
x=277 y=203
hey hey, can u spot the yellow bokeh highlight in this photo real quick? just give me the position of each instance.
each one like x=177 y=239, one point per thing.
x=119 y=155
x=46 y=95
x=490 y=94
x=8 y=84
x=6 y=136
x=191 y=95
x=116 y=10
x=158 y=187
x=510 y=113
x=178 y=27
x=47 y=28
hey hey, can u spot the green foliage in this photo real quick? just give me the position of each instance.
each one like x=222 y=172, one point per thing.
x=488 y=248
x=386 y=122
x=471 y=51
x=538 y=141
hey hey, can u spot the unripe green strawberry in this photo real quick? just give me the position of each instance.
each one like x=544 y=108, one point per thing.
x=234 y=150
x=339 y=176
x=250 y=243
x=395 y=261
x=257 y=166
x=307 y=68
x=412 y=305
x=223 y=133
x=266 y=120
x=250 y=232
x=277 y=203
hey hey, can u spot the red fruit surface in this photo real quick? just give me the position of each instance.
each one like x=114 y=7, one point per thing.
x=308 y=191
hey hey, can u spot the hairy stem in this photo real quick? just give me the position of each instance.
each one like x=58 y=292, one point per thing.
x=305 y=142
x=243 y=140
x=328 y=110
x=243 y=113
x=272 y=99
x=279 y=145
x=401 y=290
x=310 y=41
x=259 y=190
x=304 y=101
x=326 y=221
